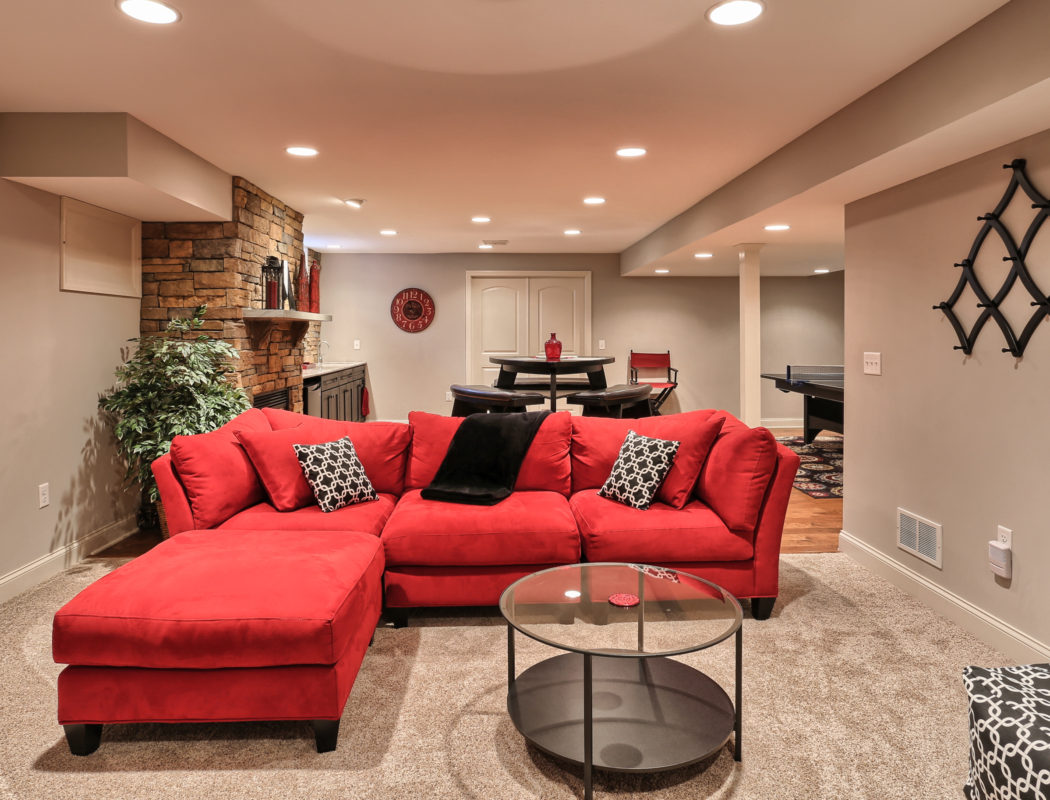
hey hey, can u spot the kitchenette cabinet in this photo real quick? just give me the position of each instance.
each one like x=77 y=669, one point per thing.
x=337 y=391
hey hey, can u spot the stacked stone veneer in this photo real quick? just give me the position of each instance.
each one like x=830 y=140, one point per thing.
x=219 y=264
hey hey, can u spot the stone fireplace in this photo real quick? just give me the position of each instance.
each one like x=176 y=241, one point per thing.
x=219 y=264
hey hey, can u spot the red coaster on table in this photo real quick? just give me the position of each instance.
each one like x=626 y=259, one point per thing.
x=623 y=600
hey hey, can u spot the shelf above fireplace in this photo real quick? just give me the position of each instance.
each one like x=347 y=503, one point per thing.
x=260 y=321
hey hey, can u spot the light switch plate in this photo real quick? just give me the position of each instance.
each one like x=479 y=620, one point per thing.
x=873 y=363
x=601 y=344
x=357 y=344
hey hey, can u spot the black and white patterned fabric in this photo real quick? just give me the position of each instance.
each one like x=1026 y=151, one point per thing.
x=639 y=470
x=1009 y=732
x=335 y=474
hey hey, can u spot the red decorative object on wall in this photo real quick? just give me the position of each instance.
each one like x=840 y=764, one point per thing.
x=315 y=288
x=412 y=310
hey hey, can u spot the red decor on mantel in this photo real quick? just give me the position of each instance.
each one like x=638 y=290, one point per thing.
x=552 y=347
x=272 y=294
x=315 y=288
x=302 y=286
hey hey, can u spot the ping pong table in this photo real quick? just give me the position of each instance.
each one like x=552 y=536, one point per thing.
x=823 y=395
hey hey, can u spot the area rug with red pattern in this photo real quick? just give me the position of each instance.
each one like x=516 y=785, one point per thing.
x=820 y=473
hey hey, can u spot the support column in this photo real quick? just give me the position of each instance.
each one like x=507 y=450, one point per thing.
x=750 y=335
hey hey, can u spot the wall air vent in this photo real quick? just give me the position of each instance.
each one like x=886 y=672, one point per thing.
x=494 y=242
x=919 y=536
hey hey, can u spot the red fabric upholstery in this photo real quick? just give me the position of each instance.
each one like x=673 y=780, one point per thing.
x=218 y=478
x=381 y=446
x=544 y=469
x=596 y=443
x=177 y=509
x=737 y=473
x=411 y=587
x=526 y=528
x=205 y=600
x=611 y=531
x=366 y=517
x=770 y=528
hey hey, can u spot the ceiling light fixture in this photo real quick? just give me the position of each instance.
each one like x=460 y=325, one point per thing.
x=356 y=202
x=593 y=201
x=822 y=271
x=149 y=11
x=484 y=246
x=630 y=152
x=572 y=232
x=778 y=227
x=735 y=12
x=333 y=247
x=301 y=151
x=703 y=255
x=661 y=271
x=388 y=232
x=481 y=220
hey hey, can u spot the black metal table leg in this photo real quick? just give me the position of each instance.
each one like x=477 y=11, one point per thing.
x=737 y=754
x=554 y=391
x=588 y=729
x=510 y=654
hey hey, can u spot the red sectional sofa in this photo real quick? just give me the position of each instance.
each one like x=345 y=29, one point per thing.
x=261 y=606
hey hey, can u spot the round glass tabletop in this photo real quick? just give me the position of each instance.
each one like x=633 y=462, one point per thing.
x=627 y=610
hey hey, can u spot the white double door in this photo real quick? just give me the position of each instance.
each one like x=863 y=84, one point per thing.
x=513 y=314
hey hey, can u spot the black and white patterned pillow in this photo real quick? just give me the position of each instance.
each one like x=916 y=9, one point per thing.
x=335 y=474
x=639 y=470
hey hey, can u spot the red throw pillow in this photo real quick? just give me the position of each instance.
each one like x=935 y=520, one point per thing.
x=596 y=443
x=734 y=480
x=216 y=473
x=381 y=447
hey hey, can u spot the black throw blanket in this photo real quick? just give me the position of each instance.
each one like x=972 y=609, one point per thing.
x=484 y=458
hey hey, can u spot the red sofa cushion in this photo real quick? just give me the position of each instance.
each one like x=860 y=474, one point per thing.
x=216 y=473
x=525 y=528
x=544 y=469
x=364 y=517
x=596 y=443
x=739 y=468
x=381 y=446
x=611 y=531
x=207 y=599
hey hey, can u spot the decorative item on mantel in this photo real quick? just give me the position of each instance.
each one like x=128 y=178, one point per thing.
x=272 y=279
x=315 y=287
x=302 y=286
x=552 y=348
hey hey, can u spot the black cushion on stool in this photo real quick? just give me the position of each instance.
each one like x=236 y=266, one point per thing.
x=613 y=400
x=1009 y=731
x=476 y=398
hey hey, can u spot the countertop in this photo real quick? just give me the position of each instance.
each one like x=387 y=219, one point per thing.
x=317 y=371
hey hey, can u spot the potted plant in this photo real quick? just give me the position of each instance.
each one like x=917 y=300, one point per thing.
x=170 y=385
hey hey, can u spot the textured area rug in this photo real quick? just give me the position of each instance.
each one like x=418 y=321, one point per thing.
x=851 y=690
x=820 y=472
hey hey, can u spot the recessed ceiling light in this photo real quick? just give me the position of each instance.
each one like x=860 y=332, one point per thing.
x=822 y=271
x=388 y=232
x=703 y=255
x=572 y=232
x=484 y=246
x=630 y=152
x=149 y=11
x=333 y=247
x=661 y=271
x=481 y=220
x=355 y=202
x=778 y=227
x=301 y=151
x=593 y=201
x=735 y=12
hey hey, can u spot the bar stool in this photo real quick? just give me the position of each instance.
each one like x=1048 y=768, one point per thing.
x=632 y=398
x=478 y=399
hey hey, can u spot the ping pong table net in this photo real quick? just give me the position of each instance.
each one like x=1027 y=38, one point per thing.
x=809 y=372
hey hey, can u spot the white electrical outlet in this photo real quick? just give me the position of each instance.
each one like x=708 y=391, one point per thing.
x=448 y=397
x=1005 y=537
x=873 y=363
x=44 y=494
x=357 y=344
x=601 y=344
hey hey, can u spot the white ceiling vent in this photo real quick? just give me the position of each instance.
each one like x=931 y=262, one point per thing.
x=496 y=242
x=919 y=536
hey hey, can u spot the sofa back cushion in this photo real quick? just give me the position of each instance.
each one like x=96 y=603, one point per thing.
x=596 y=443
x=216 y=473
x=382 y=448
x=545 y=467
x=736 y=476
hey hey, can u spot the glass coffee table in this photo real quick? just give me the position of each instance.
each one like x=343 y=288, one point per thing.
x=616 y=700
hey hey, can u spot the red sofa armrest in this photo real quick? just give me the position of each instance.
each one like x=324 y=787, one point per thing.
x=770 y=526
x=172 y=496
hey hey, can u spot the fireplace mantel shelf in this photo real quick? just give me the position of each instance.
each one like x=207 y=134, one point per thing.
x=260 y=321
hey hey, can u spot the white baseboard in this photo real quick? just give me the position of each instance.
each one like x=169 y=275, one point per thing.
x=988 y=628
x=40 y=569
x=782 y=422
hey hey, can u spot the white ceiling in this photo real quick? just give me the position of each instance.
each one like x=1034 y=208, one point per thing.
x=438 y=111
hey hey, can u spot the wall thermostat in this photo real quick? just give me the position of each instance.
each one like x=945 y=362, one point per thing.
x=1000 y=559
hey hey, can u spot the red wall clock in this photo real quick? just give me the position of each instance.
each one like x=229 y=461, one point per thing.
x=412 y=310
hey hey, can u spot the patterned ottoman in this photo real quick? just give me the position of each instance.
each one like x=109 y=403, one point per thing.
x=1009 y=732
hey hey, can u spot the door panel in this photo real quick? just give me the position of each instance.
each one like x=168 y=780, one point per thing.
x=499 y=324
x=557 y=305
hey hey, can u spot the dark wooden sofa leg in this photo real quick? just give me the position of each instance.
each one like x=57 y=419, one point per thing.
x=83 y=740
x=398 y=617
x=762 y=607
x=326 y=732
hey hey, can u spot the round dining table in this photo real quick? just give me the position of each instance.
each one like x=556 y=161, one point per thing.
x=511 y=366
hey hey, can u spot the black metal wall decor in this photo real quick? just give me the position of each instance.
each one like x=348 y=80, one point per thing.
x=1018 y=271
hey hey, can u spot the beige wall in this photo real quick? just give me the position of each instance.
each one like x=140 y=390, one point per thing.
x=62 y=349
x=960 y=440
x=695 y=318
x=802 y=323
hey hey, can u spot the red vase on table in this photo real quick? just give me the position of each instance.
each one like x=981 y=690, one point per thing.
x=552 y=347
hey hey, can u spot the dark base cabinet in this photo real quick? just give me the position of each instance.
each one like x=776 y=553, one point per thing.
x=341 y=394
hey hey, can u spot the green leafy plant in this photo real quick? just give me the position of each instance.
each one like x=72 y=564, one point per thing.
x=170 y=385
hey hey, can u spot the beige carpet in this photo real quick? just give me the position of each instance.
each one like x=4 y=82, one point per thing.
x=851 y=690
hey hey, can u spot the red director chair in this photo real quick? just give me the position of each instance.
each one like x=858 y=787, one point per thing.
x=654 y=361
